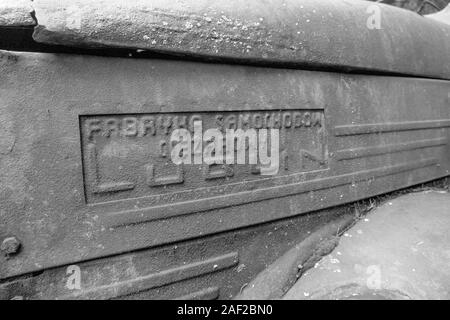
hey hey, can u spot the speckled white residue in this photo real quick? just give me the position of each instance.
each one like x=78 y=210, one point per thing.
x=241 y=267
x=334 y=261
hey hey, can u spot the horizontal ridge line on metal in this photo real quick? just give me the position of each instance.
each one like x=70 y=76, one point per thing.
x=357 y=129
x=159 y=279
x=129 y=217
x=354 y=153
x=210 y=293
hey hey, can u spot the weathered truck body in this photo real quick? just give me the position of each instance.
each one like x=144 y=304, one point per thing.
x=85 y=176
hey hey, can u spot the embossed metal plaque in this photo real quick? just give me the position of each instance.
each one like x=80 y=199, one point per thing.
x=128 y=155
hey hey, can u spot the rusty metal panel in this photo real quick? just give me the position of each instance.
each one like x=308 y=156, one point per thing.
x=211 y=267
x=71 y=195
x=297 y=33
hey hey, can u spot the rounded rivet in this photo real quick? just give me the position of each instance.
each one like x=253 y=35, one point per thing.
x=10 y=246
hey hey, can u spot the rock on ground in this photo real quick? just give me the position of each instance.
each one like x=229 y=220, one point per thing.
x=400 y=251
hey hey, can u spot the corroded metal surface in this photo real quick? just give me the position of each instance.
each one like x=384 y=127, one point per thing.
x=209 y=268
x=306 y=33
x=70 y=195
